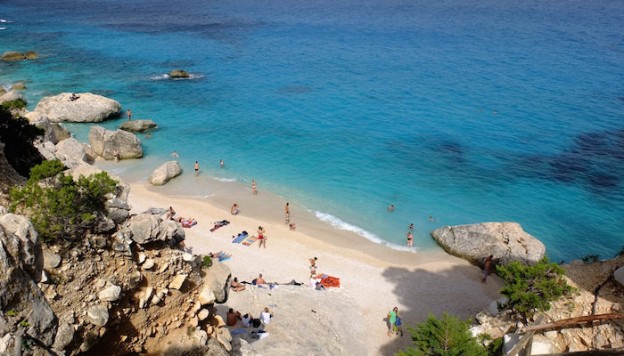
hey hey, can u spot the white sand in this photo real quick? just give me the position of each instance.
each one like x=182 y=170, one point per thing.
x=374 y=278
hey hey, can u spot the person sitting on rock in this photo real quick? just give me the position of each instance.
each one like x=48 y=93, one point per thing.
x=74 y=97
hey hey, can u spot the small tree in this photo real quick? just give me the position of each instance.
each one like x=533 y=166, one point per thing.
x=58 y=206
x=447 y=336
x=531 y=288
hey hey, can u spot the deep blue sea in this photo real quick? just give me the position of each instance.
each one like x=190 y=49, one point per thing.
x=466 y=111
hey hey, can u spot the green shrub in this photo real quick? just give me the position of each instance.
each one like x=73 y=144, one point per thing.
x=18 y=136
x=14 y=104
x=206 y=262
x=532 y=288
x=447 y=336
x=58 y=206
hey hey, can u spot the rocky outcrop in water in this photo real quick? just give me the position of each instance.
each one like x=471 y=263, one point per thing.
x=506 y=241
x=165 y=172
x=12 y=56
x=178 y=74
x=87 y=108
x=137 y=125
x=105 y=143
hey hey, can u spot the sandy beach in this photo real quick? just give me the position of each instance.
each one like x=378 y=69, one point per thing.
x=374 y=278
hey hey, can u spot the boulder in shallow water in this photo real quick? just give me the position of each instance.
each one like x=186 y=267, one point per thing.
x=137 y=125
x=506 y=241
x=165 y=172
x=18 y=56
x=105 y=143
x=87 y=108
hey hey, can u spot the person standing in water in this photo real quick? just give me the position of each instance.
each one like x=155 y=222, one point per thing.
x=221 y=163
x=254 y=191
x=196 y=167
x=287 y=212
x=129 y=113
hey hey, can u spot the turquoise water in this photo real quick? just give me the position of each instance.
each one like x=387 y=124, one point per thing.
x=466 y=112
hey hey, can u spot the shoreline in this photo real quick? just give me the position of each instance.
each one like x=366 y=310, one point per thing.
x=374 y=278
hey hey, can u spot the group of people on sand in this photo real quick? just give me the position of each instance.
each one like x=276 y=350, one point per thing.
x=232 y=317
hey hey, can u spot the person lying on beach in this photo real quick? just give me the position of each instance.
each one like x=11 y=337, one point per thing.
x=236 y=286
x=292 y=226
x=258 y=281
x=190 y=222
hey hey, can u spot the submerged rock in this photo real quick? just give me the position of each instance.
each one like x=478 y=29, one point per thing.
x=137 y=125
x=506 y=241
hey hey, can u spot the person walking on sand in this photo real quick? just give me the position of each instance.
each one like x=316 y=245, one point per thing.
x=196 y=167
x=261 y=238
x=392 y=315
x=487 y=268
x=399 y=325
x=410 y=239
x=129 y=114
x=287 y=212
x=254 y=191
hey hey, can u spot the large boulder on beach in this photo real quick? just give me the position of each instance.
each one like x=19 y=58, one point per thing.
x=106 y=142
x=137 y=125
x=87 y=108
x=165 y=172
x=146 y=228
x=506 y=241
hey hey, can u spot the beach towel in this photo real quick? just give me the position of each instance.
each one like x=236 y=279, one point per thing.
x=188 y=223
x=237 y=331
x=249 y=240
x=240 y=237
x=219 y=224
x=222 y=256
x=330 y=281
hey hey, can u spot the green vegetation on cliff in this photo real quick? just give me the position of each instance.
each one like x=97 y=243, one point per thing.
x=447 y=336
x=18 y=136
x=59 y=207
x=532 y=288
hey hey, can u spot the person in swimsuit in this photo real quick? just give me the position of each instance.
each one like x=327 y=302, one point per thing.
x=129 y=113
x=254 y=191
x=287 y=212
x=261 y=238
x=410 y=239
x=221 y=163
x=196 y=167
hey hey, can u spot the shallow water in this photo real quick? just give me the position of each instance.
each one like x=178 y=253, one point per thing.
x=488 y=111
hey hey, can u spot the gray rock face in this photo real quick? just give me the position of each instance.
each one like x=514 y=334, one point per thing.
x=88 y=108
x=70 y=152
x=505 y=240
x=137 y=125
x=110 y=293
x=165 y=172
x=217 y=279
x=145 y=228
x=21 y=259
x=82 y=169
x=51 y=260
x=98 y=315
x=105 y=143
x=20 y=240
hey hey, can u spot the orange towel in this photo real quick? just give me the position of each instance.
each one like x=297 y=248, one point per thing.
x=330 y=281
